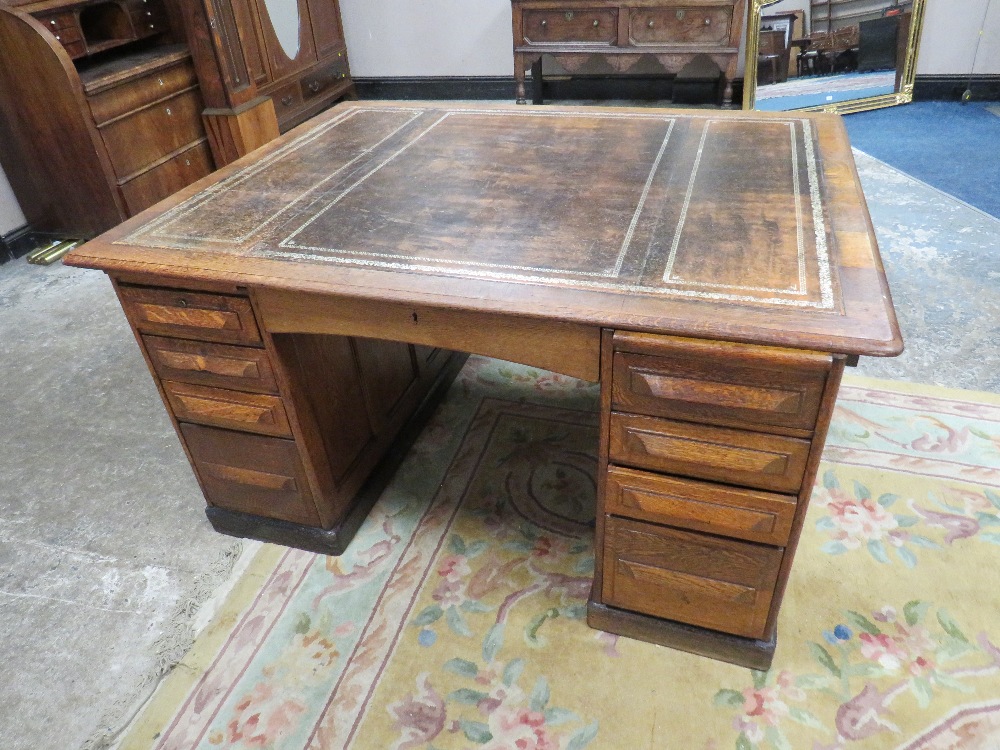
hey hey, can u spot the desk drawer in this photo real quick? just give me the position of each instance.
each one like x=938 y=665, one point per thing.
x=588 y=26
x=239 y=367
x=253 y=412
x=171 y=312
x=681 y=25
x=768 y=462
x=138 y=92
x=720 y=383
x=147 y=135
x=700 y=506
x=251 y=473
x=701 y=580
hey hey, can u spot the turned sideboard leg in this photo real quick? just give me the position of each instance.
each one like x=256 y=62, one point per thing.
x=519 y=75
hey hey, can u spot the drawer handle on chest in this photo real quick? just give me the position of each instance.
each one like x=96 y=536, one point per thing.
x=159 y=81
x=650 y=24
x=286 y=100
x=596 y=23
x=544 y=23
x=708 y=21
x=169 y=113
x=569 y=15
x=680 y=15
x=182 y=302
x=314 y=86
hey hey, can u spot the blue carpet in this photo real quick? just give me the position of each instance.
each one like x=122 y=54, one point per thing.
x=798 y=101
x=951 y=146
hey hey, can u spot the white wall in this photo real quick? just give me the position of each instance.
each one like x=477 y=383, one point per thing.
x=388 y=38
x=11 y=217
x=951 y=30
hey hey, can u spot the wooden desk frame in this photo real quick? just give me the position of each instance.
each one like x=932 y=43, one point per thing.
x=292 y=385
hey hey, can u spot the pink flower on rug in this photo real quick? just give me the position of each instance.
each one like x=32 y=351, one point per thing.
x=257 y=722
x=519 y=729
x=450 y=591
x=766 y=706
x=883 y=649
x=860 y=521
x=420 y=718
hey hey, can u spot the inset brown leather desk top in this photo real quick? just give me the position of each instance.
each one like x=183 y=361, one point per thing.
x=726 y=225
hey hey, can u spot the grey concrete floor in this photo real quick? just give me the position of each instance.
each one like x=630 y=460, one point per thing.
x=104 y=546
x=103 y=540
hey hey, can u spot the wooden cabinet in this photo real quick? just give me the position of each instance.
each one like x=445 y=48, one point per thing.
x=282 y=429
x=267 y=75
x=672 y=31
x=708 y=460
x=100 y=111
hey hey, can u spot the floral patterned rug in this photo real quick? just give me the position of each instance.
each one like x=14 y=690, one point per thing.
x=456 y=619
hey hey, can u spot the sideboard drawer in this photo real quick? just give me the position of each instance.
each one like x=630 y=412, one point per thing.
x=316 y=83
x=702 y=388
x=140 y=91
x=251 y=473
x=201 y=363
x=214 y=317
x=221 y=407
x=728 y=511
x=701 y=580
x=749 y=459
x=681 y=25
x=155 y=184
x=138 y=140
x=588 y=26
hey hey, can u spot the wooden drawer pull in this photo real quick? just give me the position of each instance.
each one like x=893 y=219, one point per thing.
x=215 y=410
x=236 y=368
x=759 y=521
x=250 y=477
x=215 y=319
x=685 y=582
x=713 y=454
x=719 y=394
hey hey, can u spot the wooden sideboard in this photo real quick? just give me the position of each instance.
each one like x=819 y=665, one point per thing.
x=672 y=31
x=254 y=88
x=100 y=111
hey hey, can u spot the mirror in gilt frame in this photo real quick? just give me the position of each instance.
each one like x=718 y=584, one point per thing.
x=831 y=55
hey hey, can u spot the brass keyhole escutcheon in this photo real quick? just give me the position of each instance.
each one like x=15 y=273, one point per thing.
x=650 y=24
x=680 y=15
x=569 y=15
x=708 y=21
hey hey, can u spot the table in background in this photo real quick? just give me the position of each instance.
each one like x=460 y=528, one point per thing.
x=575 y=30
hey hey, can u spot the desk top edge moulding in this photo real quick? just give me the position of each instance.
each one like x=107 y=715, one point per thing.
x=301 y=309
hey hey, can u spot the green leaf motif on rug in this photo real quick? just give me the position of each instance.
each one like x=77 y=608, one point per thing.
x=868 y=664
x=854 y=521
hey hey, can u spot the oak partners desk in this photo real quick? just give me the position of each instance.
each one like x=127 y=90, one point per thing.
x=713 y=270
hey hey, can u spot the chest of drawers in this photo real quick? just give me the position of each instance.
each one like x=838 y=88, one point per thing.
x=672 y=31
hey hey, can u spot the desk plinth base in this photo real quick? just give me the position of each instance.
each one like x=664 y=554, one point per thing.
x=744 y=652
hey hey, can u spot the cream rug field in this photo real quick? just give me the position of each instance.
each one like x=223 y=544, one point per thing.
x=456 y=619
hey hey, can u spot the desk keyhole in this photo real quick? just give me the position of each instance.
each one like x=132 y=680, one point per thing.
x=415 y=318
